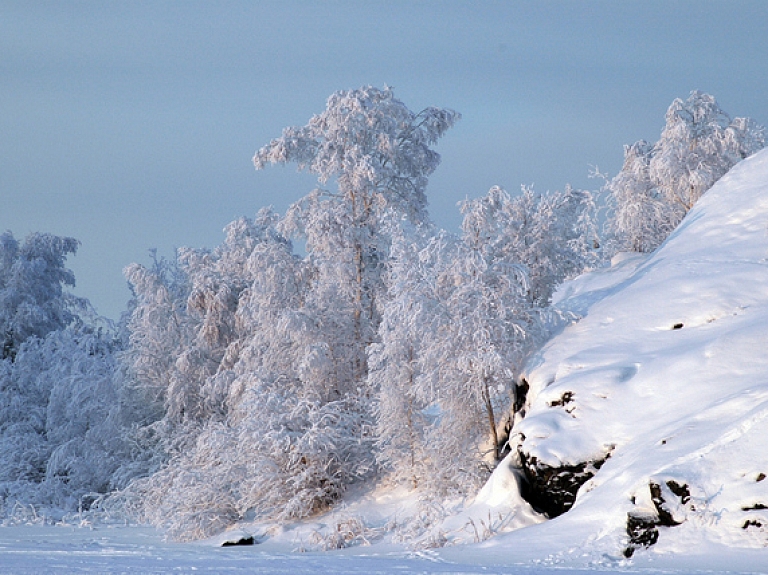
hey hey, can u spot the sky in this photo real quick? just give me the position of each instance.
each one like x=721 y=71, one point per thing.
x=131 y=125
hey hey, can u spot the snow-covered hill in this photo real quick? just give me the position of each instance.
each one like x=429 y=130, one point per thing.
x=664 y=381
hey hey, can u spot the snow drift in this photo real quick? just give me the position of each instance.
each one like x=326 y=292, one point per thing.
x=664 y=381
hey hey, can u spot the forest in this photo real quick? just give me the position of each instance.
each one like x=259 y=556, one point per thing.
x=347 y=341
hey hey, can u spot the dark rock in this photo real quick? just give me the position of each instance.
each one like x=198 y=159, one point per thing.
x=521 y=394
x=565 y=399
x=751 y=523
x=643 y=529
x=760 y=477
x=247 y=540
x=677 y=326
x=664 y=516
x=552 y=490
x=755 y=507
x=681 y=491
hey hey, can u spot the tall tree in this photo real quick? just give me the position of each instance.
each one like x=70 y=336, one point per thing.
x=395 y=361
x=379 y=153
x=58 y=439
x=463 y=314
x=698 y=145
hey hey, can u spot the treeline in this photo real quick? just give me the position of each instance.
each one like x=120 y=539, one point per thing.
x=250 y=379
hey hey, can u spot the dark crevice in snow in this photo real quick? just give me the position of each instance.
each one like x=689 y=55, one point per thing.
x=521 y=395
x=513 y=415
x=552 y=490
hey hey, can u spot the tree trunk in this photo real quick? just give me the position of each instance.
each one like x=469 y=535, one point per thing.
x=491 y=419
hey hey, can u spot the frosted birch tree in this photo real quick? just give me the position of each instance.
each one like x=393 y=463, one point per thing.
x=641 y=215
x=698 y=145
x=659 y=184
x=379 y=154
x=258 y=422
x=462 y=316
x=395 y=361
x=554 y=235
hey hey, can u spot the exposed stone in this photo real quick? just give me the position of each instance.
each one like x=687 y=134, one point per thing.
x=681 y=491
x=665 y=517
x=565 y=399
x=521 y=394
x=245 y=540
x=552 y=490
x=642 y=528
x=642 y=531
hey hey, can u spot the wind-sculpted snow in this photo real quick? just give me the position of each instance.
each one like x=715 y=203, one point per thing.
x=667 y=371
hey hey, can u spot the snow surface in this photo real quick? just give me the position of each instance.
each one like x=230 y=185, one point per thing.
x=668 y=373
x=75 y=550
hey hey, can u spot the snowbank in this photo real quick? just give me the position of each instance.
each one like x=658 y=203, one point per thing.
x=667 y=376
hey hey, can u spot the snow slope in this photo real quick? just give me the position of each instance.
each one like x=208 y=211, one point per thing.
x=667 y=372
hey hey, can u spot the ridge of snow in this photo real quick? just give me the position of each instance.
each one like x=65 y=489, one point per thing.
x=668 y=371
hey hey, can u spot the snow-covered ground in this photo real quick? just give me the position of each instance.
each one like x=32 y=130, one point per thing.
x=111 y=550
x=666 y=373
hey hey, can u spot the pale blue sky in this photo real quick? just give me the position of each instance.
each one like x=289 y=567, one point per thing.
x=131 y=125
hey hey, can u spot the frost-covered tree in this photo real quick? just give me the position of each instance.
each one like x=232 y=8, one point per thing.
x=58 y=438
x=182 y=325
x=379 y=154
x=266 y=429
x=553 y=235
x=453 y=333
x=642 y=218
x=698 y=145
x=462 y=316
x=157 y=330
x=395 y=362
x=33 y=298
x=659 y=184
x=259 y=361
